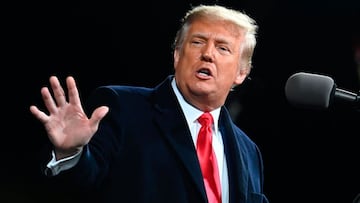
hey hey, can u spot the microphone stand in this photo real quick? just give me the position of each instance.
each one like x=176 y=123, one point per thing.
x=346 y=97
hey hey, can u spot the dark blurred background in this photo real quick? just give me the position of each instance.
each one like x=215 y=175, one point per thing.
x=309 y=155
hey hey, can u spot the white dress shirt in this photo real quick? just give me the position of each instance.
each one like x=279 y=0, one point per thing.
x=192 y=114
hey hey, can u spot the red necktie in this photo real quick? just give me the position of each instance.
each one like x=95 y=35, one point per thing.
x=207 y=159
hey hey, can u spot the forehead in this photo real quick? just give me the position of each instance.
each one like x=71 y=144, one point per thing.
x=216 y=27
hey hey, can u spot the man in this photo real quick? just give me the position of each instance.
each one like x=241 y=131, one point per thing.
x=137 y=144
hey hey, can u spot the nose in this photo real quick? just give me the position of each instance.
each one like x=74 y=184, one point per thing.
x=207 y=54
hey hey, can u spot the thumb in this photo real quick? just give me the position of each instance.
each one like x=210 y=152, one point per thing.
x=98 y=114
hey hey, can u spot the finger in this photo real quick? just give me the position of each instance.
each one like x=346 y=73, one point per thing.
x=59 y=93
x=73 y=92
x=48 y=100
x=41 y=116
x=97 y=115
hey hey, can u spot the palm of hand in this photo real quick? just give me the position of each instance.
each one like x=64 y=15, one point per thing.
x=67 y=126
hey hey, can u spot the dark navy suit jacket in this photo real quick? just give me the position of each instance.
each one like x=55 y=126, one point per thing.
x=143 y=152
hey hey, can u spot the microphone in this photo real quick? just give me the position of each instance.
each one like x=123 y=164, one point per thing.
x=317 y=92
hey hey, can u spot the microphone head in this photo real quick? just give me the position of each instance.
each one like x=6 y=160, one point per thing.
x=310 y=90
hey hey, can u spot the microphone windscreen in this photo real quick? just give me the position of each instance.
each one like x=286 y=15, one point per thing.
x=310 y=90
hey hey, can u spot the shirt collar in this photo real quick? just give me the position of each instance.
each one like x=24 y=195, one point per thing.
x=191 y=113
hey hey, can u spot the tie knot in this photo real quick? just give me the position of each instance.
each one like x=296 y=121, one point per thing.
x=205 y=119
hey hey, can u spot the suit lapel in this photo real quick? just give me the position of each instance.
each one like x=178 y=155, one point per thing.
x=171 y=121
x=238 y=176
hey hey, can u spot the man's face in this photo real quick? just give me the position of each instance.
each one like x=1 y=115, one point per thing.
x=207 y=65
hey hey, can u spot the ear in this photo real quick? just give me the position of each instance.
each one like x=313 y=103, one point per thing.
x=243 y=73
x=176 y=57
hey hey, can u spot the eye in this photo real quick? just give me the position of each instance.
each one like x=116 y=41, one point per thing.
x=223 y=49
x=196 y=42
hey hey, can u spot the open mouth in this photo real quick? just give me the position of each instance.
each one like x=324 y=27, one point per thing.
x=204 y=72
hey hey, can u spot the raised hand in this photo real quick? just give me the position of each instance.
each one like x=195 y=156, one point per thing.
x=67 y=126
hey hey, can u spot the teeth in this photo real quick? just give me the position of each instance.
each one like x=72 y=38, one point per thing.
x=205 y=72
